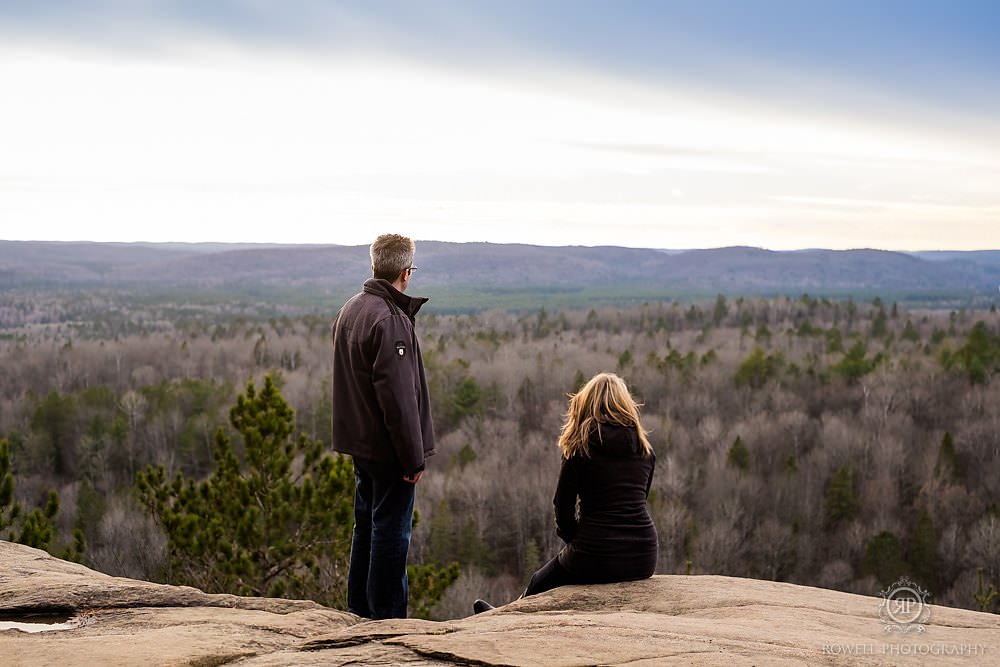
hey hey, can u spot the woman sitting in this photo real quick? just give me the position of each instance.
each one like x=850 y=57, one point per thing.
x=607 y=463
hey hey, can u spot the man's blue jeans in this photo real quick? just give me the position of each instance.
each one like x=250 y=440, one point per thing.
x=383 y=516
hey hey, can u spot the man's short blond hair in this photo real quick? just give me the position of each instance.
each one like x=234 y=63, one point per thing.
x=391 y=253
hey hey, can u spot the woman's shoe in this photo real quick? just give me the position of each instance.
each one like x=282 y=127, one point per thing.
x=479 y=606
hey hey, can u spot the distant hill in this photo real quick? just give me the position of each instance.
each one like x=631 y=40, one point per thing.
x=983 y=257
x=472 y=269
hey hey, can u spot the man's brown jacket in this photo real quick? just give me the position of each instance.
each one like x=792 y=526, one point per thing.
x=381 y=406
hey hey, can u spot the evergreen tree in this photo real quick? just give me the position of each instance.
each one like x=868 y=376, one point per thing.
x=948 y=465
x=529 y=407
x=720 y=310
x=923 y=551
x=465 y=401
x=855 y=365
x=879 y=325
x=9 y=509
x=986 y=593
x=739 y=455
x=33 y=529
x=531 y=559
x=842 y=501
x=471 y=550
x=54 y=420
x=265 y=523
x=463 y=457
x=36 y=527
x=624 y=360
x=980 y=356
x=834 y=340
x=427 y=585
x=884 y=558
x=442 y=540
x=758 y=368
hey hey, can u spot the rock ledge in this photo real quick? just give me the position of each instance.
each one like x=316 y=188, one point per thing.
x=666 y=620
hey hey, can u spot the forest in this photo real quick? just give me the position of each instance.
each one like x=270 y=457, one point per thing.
x=830 y=443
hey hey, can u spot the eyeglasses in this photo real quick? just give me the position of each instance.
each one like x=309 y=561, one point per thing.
x=411 y=269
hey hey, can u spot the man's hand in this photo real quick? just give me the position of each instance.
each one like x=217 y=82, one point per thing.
x=413 y=479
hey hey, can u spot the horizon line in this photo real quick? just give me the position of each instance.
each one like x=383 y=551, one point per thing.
x=486 y=242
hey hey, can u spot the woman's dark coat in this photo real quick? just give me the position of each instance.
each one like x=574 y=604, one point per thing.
x=613 y=537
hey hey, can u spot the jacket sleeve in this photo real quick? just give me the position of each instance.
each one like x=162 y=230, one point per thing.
x=652 y=469
x=567 y=490
x=395 y=376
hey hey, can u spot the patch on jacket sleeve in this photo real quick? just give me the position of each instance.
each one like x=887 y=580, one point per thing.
x=400 y=348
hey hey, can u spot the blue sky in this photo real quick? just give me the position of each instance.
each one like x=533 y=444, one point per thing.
x=774 y=123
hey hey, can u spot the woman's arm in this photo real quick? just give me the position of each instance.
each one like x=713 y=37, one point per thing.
x=565 y=500
x=652 y=469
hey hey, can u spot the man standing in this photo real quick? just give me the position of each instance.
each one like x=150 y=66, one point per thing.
x=382 y=418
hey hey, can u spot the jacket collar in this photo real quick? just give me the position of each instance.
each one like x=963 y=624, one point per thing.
x=384 y=289
x=614 y=440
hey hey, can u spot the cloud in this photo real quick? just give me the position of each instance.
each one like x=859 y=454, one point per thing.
x=846 y=51
x=470 y=121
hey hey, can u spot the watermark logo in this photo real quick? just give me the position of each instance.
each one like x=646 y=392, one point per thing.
x=904 y=607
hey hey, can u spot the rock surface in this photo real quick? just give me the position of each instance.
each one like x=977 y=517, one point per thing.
x=666 y=620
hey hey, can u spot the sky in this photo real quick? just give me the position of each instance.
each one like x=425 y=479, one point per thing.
x=781 y=124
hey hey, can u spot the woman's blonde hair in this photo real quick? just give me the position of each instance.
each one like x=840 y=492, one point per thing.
x=605 y=399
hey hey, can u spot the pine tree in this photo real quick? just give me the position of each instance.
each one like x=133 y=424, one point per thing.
x=463 y=457
x=9 y=509
x=948 y=465
x=986 y=593
x=739 y=455
x=427 y=586
x=842 y=502
x=531 y=559
x=879 y=324
x=54 y=420
x=834 y=340
x=266 y=523
x=855 y=364
x=529 y=407
x=471 y=550
x=442 y=541
x=33 y=529
x=884 y=558
x=465 y=401
x=923 y=551
x=980 y=356
x=758 y=368
x=720 y=311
